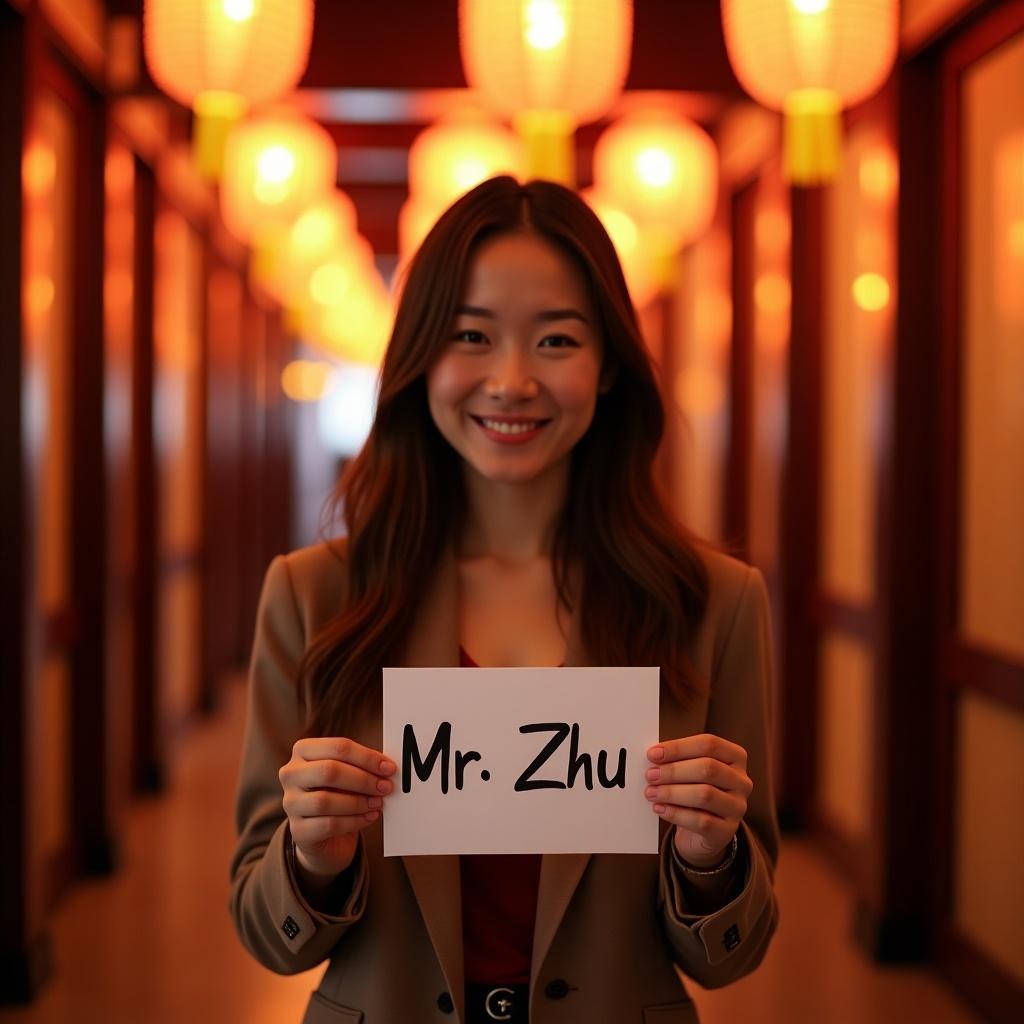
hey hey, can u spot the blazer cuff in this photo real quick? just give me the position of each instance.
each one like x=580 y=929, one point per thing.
x=721 y=935
x=297 y=922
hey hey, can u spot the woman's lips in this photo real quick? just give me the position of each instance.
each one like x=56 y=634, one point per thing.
x=503 y=437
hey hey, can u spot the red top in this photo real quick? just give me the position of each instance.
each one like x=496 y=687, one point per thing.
x=499 y=904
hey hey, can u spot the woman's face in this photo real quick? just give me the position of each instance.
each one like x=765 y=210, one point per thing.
x=516 y=383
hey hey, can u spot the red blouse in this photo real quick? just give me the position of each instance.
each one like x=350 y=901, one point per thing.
x=499 y=904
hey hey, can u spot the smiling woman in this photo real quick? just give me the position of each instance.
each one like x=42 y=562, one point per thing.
x=505 y=504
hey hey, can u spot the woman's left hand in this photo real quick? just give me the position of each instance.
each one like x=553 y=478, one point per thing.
x=700 y=785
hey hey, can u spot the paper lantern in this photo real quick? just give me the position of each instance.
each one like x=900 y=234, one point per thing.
x=548 y=65
x=625 y=236
x=415 y=219
x=661 y=169
x=456 y=154
x=809 y=59
x=275 y=167
x=223 y=57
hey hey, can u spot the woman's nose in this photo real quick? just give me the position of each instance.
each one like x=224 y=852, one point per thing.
x=511 y=378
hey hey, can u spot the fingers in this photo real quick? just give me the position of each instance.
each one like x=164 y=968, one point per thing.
x=307 y=831
x=702 y=745
x=323 y=802
x=702 y=769
x=341 y=748
x=699 y=797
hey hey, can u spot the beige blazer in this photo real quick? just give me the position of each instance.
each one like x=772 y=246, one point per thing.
x=615 y=928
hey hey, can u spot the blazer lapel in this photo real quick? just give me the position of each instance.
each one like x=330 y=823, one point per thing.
x=435 y=880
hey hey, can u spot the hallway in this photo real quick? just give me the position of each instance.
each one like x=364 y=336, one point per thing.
x=155 y=943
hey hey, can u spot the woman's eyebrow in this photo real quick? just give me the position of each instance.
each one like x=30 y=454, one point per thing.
x=543 y=316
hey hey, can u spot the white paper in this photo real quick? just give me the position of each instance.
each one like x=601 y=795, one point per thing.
x=609 y=710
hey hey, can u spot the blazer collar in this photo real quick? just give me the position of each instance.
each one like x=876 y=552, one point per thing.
x=434 y=641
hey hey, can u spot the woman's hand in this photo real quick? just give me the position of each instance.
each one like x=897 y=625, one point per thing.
x=700 y=785
x=333 y=788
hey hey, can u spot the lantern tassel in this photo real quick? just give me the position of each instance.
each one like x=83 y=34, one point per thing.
x=548 y=143
x=216 y=114
x=812 y=139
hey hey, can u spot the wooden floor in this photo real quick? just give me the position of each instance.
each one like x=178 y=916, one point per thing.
x=155 y=944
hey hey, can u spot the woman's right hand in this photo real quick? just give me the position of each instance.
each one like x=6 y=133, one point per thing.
x=333 y=788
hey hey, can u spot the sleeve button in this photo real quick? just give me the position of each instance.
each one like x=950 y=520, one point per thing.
x=557 y=988
x=445 y=1003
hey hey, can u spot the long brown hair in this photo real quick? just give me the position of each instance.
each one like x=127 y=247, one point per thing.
x=644 y=586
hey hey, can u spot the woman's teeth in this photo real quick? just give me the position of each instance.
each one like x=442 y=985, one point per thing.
x=511 y=428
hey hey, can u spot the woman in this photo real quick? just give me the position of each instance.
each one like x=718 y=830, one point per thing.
x=507 y=479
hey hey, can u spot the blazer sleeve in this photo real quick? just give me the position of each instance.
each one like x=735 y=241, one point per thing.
x=273 y=919
x=720 y=947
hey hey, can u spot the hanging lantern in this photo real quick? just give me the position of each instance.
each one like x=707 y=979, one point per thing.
x=457 y=153
x=224 y=57
x=549 y=65
x=625 y=236
x=810 y=59
x=415 y=219
x=662 y=169
x=275 y=166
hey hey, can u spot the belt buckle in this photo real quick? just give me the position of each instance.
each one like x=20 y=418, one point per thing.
x=503 y=1005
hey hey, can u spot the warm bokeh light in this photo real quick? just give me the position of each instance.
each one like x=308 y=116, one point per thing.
x=275 y=167
x=662 y=169
x=879 y=174
x=225 y=57
x=306 y=380
x=870 y=292
x=713 y=316
x=38 y=169
x=1008 y=220
x=810 y=59
x=456 y=154
x=772 y=293
x=699 y=392
x=415 y=219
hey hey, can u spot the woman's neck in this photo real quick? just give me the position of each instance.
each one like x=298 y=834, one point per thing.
x=513 y=522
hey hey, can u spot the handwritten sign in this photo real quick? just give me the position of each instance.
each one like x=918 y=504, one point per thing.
x=519 y=760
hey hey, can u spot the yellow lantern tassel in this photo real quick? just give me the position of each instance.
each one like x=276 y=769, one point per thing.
x=812 y=136
x=548 y=144
x=216 y=113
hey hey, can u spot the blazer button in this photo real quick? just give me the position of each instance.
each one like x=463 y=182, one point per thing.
x=445 y=1003
x=558 y=988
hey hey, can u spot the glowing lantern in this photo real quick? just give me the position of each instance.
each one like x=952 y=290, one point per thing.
x=549 y=65
x=307 y=380
x=415 y=219
x=456 y=154
x=810 y=59
x=275 y=167
x=223 y=57
x=626 y=238
x=662 y=169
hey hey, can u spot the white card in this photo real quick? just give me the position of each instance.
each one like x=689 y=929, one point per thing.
x=519 y=760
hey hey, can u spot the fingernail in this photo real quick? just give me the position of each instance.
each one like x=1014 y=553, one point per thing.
x=656 y=753
x=651 y=791
x=383 y=786
x=388 y=766
x=372 y=815
x=659 y=808
x=653 y=774
x=375 y=801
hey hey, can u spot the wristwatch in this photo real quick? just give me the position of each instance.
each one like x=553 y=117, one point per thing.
x=733 y=847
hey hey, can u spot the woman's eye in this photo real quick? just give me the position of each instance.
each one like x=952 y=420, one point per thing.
x=462 y=336
x=570 y=342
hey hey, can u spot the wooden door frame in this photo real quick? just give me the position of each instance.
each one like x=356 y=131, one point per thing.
x=961 y=667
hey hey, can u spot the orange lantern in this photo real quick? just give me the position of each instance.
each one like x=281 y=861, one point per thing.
x=307 y=380
x=275 y=166
x=549 y=65
x=625 y=236
x=222 y=57
x=457 y=153
x=662 y=169
x=810 y=59
x=415 y=219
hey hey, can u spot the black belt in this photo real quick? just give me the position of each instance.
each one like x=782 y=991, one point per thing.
x=488 y=1003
